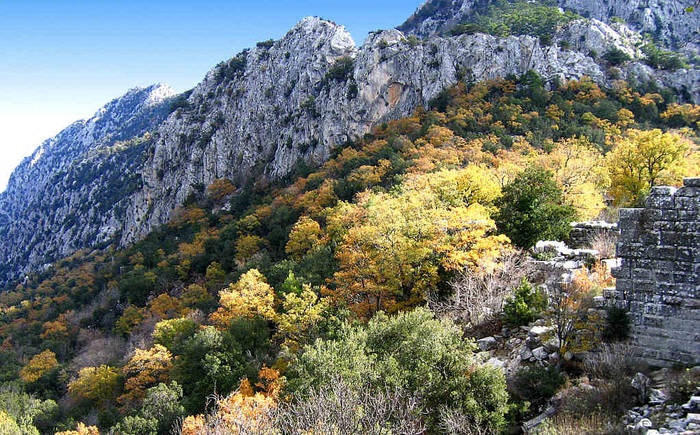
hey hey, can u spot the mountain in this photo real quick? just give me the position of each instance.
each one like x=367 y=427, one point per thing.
x=69 y=193
x=256 y=116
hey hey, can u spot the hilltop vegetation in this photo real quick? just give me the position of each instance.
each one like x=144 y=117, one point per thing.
x=278 y=297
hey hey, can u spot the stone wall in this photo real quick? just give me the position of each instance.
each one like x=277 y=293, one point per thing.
x=658 y=277
x=583 y=233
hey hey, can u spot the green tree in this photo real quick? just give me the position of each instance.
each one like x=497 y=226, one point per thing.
x=532 y=209
x=173 y=333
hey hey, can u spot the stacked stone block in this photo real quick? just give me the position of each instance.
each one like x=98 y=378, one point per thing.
x=583 y=233
x=658 y=277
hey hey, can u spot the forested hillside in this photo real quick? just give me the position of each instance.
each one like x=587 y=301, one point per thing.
x=304 y=305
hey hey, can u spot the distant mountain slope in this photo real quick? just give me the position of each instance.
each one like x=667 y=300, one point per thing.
x=65 y=196
x=255 y=117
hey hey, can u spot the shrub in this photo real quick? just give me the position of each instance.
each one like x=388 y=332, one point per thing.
x=477 y=297
x=616 y=56
x=662 y=59
x=537 y=384
x=341 y=69
x=525 y=306
x=604 y=242
x=266 y=44
x=411 y=351
x=617 y=324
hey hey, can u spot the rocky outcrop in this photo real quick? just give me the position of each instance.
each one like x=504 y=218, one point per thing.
x=71 y=192
x=667 y=22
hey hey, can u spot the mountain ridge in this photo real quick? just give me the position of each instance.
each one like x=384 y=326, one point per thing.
x=257 y=115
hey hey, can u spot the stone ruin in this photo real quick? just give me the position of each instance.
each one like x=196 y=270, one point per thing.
x=659 y=275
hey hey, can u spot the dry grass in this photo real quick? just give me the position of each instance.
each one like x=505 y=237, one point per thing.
x=604 y=242
x=477 y=296
x=592 y=424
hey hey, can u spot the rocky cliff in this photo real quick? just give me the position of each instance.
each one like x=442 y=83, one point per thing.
x=70 y=192
x=257 y=115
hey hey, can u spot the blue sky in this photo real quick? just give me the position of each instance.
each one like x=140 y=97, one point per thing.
x=61 y=60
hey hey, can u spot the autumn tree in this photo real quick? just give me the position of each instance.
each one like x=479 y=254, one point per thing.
x=81 y=429
x=306 y=234
x=250 y=297
x=145 y=369
x=38 y=365
x=404 y=240
x=165 y=307
x=642 y=159
x=300 y=313
x=579 y=170
x=220 y=189
x=99 y=385
x=131 y=317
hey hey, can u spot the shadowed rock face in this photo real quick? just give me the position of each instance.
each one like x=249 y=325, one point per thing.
x=255 y=117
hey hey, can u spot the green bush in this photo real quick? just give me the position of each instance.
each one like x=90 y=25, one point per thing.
x=617 y=325
x=504 y=18
x=411 y=351
x=617 y=56
x=341 y=69
x=537 y=384
x=662 y=59
x=525 y=306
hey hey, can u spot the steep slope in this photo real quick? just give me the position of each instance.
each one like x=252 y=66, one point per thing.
x=67 y=194
x=259 y=114
x=256 y=116
x=668 y=22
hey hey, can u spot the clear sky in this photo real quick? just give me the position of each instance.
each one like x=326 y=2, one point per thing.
x=62 y=60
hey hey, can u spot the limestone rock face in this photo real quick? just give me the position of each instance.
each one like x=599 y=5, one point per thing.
x=70 y=193
x=254 y=117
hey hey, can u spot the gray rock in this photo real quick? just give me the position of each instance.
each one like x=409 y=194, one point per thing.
x=657 y=396
x=644 y=423
x=488 y=343
x=540 y=353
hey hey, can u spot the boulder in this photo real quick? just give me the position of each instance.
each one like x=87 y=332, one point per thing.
x=487 y=343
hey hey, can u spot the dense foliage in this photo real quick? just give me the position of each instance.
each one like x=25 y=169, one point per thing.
x=267 y=291
x=507 y=17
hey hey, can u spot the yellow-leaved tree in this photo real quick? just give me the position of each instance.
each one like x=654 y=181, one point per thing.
x=99 y=385
x=250 y=297
x=580 y=172
x=38 y=365
x=145 y=369
x=299 y=314
x=306 y=235
x=400 y=242
x=81 y=429
x=642 y=159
